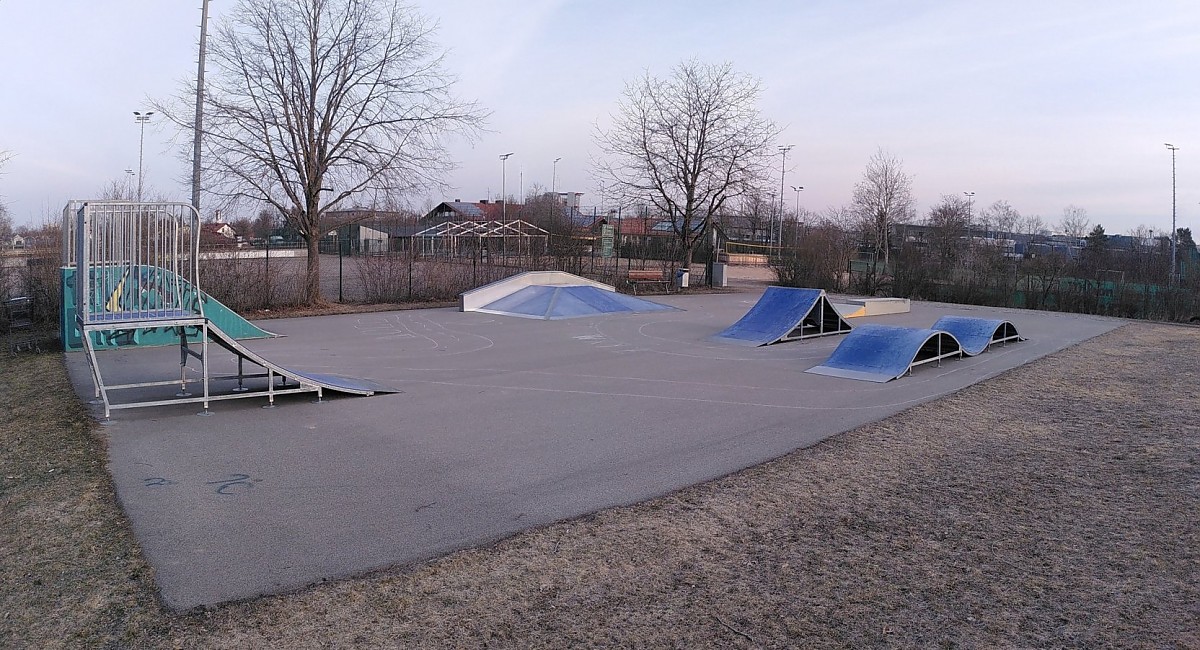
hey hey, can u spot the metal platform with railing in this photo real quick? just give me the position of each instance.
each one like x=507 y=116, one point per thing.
x=136 y=267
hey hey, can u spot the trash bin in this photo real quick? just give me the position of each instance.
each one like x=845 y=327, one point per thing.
x=681 y=278
x=720 y=279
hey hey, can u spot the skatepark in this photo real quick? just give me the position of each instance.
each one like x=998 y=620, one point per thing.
x=495 y=423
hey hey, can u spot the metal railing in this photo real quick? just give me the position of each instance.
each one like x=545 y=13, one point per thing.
x=135 y=261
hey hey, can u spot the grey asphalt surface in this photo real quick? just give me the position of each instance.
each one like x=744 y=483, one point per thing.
x=502 y=424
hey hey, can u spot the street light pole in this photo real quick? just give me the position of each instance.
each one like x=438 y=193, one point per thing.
x=503 y=187
x=782 y=172
x=1174 y=230
x=798 y=189
x=970 y=212
x=141 y=119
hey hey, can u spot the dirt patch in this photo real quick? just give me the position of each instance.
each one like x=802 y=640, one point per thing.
x=1051 y=506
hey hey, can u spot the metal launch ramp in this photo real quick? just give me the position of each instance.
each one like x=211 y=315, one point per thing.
x=786 y=314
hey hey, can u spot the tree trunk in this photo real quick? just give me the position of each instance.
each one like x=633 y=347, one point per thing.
x=312 y=274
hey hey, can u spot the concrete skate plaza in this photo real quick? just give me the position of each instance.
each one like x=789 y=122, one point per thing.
x=502 y=424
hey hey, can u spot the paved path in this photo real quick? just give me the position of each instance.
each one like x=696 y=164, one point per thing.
x=503 y=424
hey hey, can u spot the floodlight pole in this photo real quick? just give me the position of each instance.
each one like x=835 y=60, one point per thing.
x=783 y=150
x=504 y=199
x=798 y=189
x=554 y=178
x=141 y=119
x=1174 y=229
x=198 y=128
x=970 y=210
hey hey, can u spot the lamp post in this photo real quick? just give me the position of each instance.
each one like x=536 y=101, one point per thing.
x=798 y=189
x=554 y=178
x=783 y=150
x=970 y=213
x=796 y=216
x=141 y=119
x=1174 y=230
x=504 y=200
x=503 y=187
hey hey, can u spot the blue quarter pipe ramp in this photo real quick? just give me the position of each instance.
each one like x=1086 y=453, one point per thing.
x=786 y=314
x=881 y=353
x=556 y=302
x=977 y=334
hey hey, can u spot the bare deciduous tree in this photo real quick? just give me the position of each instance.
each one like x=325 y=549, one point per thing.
x=950 y=224
x=1001 y=215
x=1033 y=225
x=689 y=143
x=882 y=198
x=310 y=102
x=1074 y=221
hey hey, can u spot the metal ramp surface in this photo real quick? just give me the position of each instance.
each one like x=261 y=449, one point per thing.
x=786 y=314
x=557 y=302
x=268 y=380
x=976 y=335
x=881 y=353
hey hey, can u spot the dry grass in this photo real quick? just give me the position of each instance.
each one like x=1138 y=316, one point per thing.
x=1052 y=506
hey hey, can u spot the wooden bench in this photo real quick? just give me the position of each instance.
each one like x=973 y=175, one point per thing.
x=637 y=277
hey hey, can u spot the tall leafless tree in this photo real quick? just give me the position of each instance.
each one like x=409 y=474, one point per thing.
x=689 y=143
x=311 y=102
x=950 y=228
x=1074 y=221
x=882 y=198
x=1002 y=215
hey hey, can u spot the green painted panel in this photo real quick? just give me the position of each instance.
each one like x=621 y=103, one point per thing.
x=217 y=313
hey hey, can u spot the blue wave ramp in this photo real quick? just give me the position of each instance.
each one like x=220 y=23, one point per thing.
x=786 y=314
x=976 y=335
x=881 y=353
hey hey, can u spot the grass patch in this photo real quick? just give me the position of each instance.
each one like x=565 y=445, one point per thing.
x=1054 y=505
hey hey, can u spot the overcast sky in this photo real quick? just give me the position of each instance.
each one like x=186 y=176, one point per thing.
x=1040 y=103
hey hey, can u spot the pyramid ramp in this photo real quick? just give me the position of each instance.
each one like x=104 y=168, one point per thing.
x=553 y=295
x=881 y=353
x=976 y=335
x=562 y=302
x=786 y=314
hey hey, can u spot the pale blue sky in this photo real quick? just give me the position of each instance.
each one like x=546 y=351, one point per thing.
x=1043 y=104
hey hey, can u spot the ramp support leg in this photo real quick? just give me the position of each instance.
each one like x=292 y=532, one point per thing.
x=241 y=387
x=270 y=389
x=204 y=365
x=183 y=356
x=96 y=377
